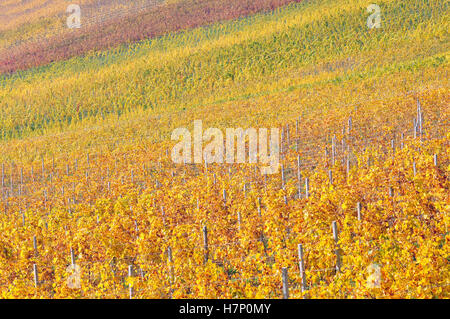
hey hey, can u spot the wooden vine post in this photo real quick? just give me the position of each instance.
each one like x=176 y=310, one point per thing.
x=35 y=276
x=285 y=281
x=205 y=244
x=336 y=242
x=130 y=287
x=358 y=210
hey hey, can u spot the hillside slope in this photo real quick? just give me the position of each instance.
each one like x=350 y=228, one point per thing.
x=87 y=173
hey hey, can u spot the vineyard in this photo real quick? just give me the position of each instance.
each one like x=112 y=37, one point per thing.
x=56 y=42
x=93 y=206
